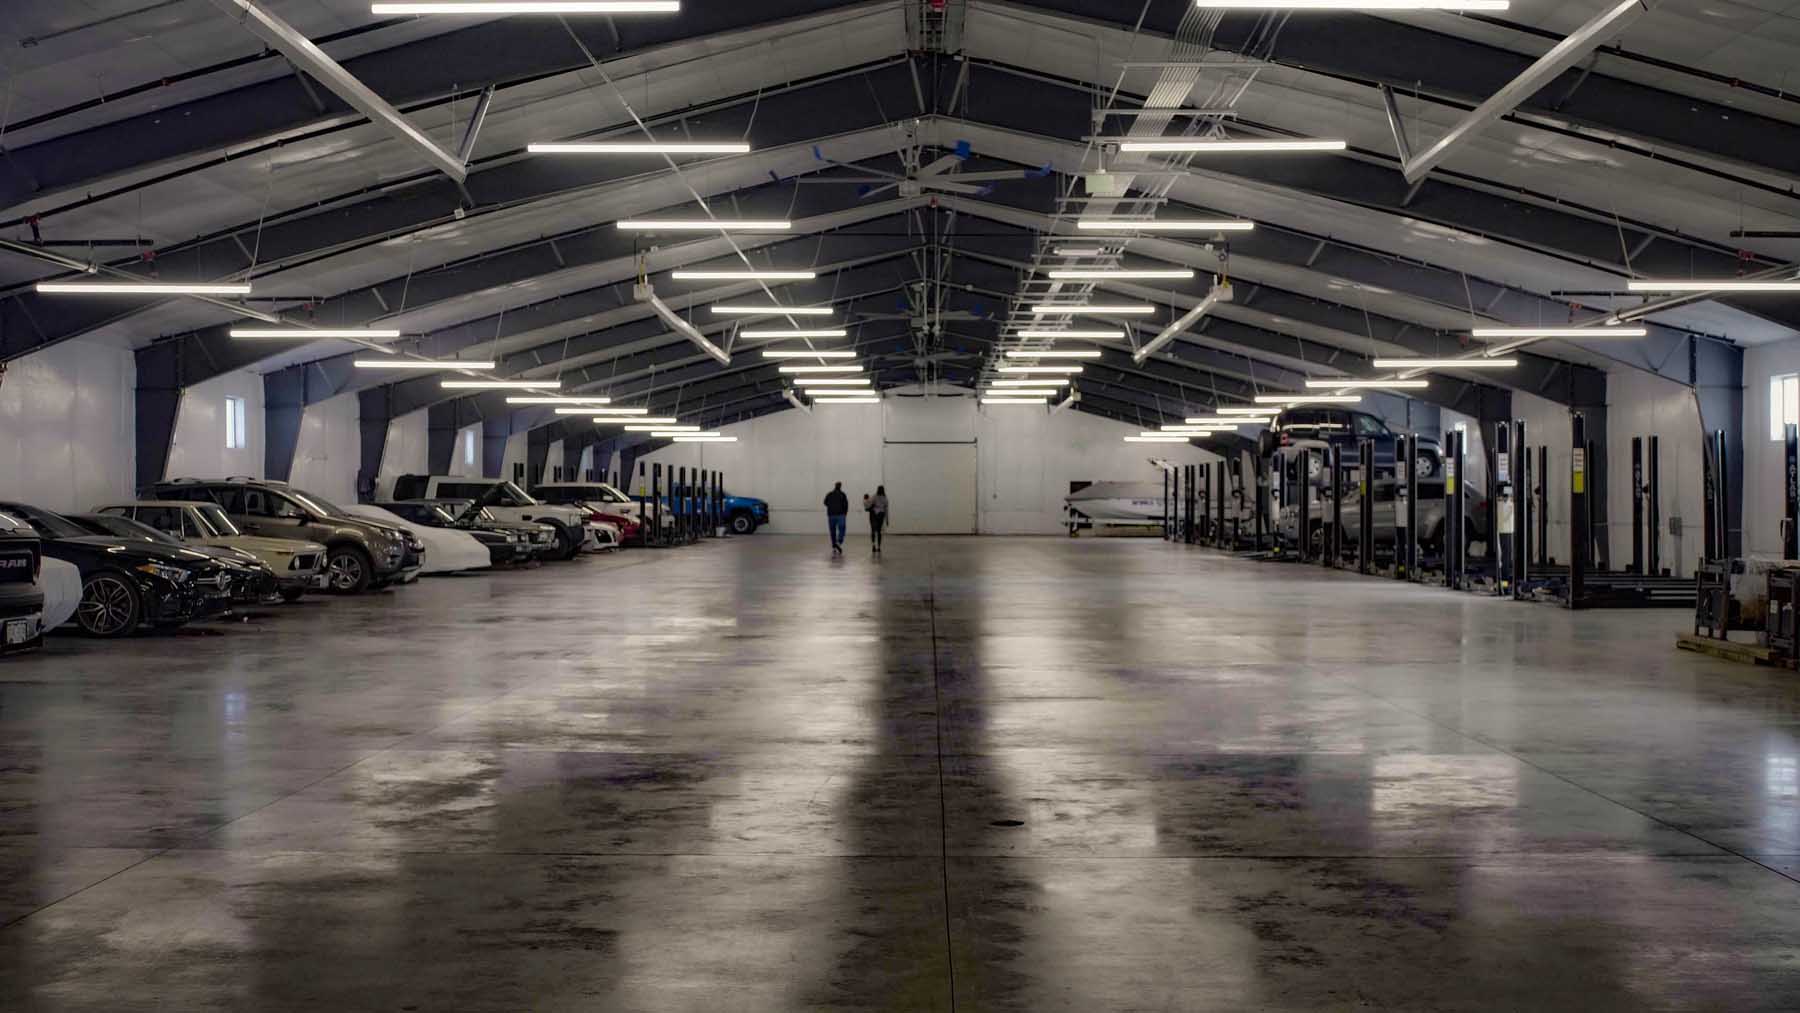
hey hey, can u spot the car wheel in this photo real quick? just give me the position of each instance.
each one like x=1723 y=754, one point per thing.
x=565 y=545
x=1427 y=466
x=109 y=605
x=743 y=524
x=349 y=570
x=292 y=593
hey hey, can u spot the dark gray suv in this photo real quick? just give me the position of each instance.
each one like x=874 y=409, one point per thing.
x=359 y=554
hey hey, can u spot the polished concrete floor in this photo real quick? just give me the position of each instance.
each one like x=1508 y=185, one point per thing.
x=973 y=774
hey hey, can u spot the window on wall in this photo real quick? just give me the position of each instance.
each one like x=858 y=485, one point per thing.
x=469 y=448
x=236 y=435
x=1784 y=404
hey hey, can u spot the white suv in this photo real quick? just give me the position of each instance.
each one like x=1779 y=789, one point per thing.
x=508 y=502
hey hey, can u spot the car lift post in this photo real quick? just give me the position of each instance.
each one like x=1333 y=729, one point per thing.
x=656 y=498
x=1653 y=509
x=1259 y=469
x=1403 y=540
x=1506 y=510
x=1365 y=508
x=643 y=505
x=1226 y=472
x=1303 y=489
x=1790 y=520
x=1637 y=505
x=1334 y=532
x=1579 y=546
x=1453 y=515
x=1522 y=531
x=1540 y=507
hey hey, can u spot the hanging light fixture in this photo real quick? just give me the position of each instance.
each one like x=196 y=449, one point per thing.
x=560 y=399
x=1083 y=335
x=1149 y=225
x=806 y=353
x=1367 y=384
x=1119 y=273
x=421 y=364
x=1054 y=353
x=1298 y=399
x=703 y=225
x=1094 y=310
x=777 y=333
x=500 y=384
x=138 y=288
x=310 y=333
x=640 y=148
x=770 y=275
x=525 y=7
x=774 y=311
x=1227 y=147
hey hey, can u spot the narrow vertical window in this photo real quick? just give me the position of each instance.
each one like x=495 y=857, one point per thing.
x=236 y=435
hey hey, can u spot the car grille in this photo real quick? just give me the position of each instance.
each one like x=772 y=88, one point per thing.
x=393 y=555
x=305 y=561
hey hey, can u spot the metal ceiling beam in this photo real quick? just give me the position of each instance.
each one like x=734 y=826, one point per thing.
x=309 y=58
x=1561 y=57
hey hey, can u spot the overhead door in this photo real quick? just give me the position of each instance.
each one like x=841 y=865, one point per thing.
x=930 y=488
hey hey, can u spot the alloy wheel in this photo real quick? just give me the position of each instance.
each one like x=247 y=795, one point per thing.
x=108 y=606
x=346 y=571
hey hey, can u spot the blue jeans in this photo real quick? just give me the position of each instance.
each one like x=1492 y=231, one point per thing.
x=836 y=523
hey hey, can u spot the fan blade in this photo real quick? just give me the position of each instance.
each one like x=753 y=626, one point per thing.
x=948 y=187
x=977 y=177
x=866 y=192
x=940 y=164
x=960 y=315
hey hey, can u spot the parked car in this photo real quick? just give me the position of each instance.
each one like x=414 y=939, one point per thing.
x=360 y=555
x=505 y=500
x=1384 y=493
x=298 y=566
x=602 y=500
x=127 y=584
x=538 y=538
x=251 y=581
x=445 y=551
x=513 y=544
x=1346 y=430
x=21 y=594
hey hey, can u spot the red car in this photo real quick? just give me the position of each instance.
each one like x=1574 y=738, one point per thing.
x=630 y=531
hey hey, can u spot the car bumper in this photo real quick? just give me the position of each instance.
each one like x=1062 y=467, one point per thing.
x=21 y=621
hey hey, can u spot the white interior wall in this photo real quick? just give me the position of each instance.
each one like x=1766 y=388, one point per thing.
x=1642 y=404
x=1547 y=424
x=518 y=451
x=406 y=452
x=67 y=426
x=329 y=451
x=1763 y=457
x=1025 y=460
x=198 y=449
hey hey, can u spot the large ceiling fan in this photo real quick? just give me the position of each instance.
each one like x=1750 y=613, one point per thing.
x=919 y=176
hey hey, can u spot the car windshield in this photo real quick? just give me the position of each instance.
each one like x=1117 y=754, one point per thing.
x=125 y=527
x=212 y=516
x=45 y=523
x=322 y=507
x=516 y=494
x=1369 y=425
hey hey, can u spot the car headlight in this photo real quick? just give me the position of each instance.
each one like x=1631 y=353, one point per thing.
x=172 y=574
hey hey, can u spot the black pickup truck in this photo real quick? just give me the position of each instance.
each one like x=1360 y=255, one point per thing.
x=21 y=598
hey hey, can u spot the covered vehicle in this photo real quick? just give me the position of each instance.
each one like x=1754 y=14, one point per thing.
x=128 y=584
x=62 y=592
x=1116 y=503
x=298 y=565
x=251 y=581
x=21 y=592
x=446 y=550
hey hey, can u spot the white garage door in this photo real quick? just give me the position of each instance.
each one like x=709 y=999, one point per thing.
x=930 y=486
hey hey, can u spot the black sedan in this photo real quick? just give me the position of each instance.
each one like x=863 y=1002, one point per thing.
x=128 y=584
x=251 y=580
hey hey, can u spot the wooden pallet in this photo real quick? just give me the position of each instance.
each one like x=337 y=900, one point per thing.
x=1749 y=654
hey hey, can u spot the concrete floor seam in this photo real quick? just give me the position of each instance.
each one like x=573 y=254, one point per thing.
x=937 y=697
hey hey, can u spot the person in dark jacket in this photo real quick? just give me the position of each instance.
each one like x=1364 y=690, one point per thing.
x=837 y=508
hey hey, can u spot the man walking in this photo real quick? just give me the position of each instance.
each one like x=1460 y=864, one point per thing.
x=837 y=508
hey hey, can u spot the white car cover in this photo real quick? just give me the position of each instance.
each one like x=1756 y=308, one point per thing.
x=445 y=551
x=61 y=583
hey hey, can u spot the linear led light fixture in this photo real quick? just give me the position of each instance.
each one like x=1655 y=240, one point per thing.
x=1038 y=401
x=1068 y=370
x=559 y=400
x=1218 y=147
x=293 y=333
x=1196 y=430
x=706 y=439
x=846 y=400
x=1053 y=335
x=580 y=410
x=1367 y=384
x=678 y=431
x=1297 y=399
x=743 y=275
x=1030 y=392
x=421 y=364
x=1049 y=381
x=1094 y=310
x=794 y=311
x=1121 y=224
x=137 y=288
x=1156 y=439
x=1185 y=432
x=1445 y=363
x=1352 y=5
x=1067 y=353
x=833 y=381
x=820 y=369
x=1266 y=412
x=1714 y=286
x=526 y=7
x=1118 y=273
x=1078 y=251
x=665 y=420
x=641 y=148
x=828 y=333
x=1220 y=293
x=500 y=384
x=703 y=225
x=652 y=428
x=1560 y=332
x=1225 y=421
x=806 y=353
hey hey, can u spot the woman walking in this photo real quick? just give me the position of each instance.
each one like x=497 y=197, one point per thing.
x=877 y=506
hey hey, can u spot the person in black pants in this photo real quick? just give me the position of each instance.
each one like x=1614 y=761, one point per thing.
x=878 y=512
x=837 y=508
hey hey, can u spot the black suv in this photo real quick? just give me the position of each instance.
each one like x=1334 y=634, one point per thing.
x=126 y=583
x=1346 y=429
